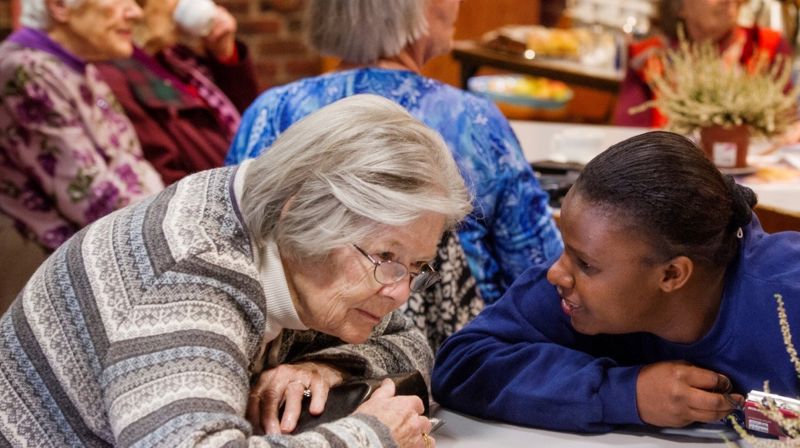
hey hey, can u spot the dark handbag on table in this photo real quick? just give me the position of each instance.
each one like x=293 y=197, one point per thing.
x=345 y=398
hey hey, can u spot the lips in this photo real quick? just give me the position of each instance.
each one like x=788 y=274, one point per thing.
x=369 y=316
x=567 y=306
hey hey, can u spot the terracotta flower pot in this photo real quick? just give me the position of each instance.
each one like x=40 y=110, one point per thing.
x=726 y=146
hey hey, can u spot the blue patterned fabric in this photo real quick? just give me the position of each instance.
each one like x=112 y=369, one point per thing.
x=511 y=227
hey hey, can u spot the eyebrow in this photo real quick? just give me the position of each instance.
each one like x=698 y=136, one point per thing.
x=429 y=260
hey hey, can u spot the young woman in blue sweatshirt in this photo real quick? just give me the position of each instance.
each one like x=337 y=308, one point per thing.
x=661 y=310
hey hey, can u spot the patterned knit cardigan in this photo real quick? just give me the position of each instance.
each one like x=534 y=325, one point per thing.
x=144 y=328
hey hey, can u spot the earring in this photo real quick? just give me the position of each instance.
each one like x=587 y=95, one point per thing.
x=739 y=233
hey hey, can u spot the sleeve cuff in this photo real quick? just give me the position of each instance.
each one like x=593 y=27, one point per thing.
x=233 y=59
x=618 y=395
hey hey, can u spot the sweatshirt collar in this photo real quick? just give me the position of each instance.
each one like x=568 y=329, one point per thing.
x=39 y=40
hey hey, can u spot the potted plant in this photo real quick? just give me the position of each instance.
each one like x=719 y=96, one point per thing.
x=699 y=92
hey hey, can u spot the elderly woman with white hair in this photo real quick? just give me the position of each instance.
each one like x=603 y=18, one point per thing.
x=383 y=46
x=68 y=155
x=149 y=326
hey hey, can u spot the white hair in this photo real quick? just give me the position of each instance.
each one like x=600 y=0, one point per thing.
x=344 y=173
x=34 y=13
x=362 y=31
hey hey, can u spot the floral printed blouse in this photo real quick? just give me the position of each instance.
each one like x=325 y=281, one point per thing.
x=68 y=154
x=511 y=226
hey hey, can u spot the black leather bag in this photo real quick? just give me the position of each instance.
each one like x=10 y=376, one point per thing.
x=346 y=397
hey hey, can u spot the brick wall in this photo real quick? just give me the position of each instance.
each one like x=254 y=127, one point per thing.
x=5 y=18
x=274 y=33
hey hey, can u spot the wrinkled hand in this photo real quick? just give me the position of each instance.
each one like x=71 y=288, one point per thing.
x=221 y=40
x=285 y=385
x=675 y=394
x=401 y=414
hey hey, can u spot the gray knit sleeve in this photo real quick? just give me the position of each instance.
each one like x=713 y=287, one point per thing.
x=395 y=346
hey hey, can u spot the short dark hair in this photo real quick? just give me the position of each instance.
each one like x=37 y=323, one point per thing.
x=662 y=186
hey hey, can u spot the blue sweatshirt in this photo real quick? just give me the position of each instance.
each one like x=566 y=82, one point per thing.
x=522 y=362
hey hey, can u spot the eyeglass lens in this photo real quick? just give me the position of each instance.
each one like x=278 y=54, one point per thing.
x=389 y=272
x=424 y=280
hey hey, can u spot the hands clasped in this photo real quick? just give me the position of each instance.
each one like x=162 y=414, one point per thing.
x=286 y=385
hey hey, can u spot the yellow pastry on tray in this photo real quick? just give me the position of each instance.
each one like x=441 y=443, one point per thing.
x=554 y=42
x=551 y=42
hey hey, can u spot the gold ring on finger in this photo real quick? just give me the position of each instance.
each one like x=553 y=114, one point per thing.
x=427 y=439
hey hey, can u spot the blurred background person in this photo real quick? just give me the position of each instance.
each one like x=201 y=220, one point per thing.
x=382 y=46
x=701 y=20
x=299 y=258
x=68 y=155
x=184 y=101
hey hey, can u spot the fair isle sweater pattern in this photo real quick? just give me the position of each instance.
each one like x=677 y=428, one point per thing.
x=144 y=330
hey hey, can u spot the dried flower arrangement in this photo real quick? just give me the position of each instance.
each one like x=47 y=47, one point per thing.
x=697 y=88
x=790 y=426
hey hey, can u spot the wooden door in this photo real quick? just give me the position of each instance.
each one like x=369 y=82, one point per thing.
x=477 y=17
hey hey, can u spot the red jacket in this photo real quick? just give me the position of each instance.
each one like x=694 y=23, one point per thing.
x=183 y=129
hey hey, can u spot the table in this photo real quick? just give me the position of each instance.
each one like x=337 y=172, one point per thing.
x=461 y=431
x=472 y=56
x=779 y=202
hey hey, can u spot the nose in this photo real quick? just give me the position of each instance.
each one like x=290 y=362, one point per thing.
x=399 y=292
x=133 y=11
x=559 y=274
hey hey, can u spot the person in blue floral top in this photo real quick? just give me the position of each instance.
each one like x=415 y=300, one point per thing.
x=383 y=46
x=68 y=154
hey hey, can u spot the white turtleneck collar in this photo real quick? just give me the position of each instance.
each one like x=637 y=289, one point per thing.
x=281 y=312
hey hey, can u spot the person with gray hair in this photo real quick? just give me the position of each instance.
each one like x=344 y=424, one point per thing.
x=383 y=47
x=68 y=155
x=151 y=326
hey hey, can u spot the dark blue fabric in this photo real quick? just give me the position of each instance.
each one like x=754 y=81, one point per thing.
x=520 y=361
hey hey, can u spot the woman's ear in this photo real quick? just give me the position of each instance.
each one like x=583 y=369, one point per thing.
x=676 y=273
x=58 y=10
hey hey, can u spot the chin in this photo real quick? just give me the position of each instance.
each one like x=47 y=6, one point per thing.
x=355 y=337
x=583 y=329
x=121 y=51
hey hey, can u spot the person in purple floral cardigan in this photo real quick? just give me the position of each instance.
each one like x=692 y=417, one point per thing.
x=68 y=154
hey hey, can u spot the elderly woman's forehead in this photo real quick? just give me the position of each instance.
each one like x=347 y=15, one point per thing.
x=418 y=239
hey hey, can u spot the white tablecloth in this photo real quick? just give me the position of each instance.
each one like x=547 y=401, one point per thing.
x=540 y=141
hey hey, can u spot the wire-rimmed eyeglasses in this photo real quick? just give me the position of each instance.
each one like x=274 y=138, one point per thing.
x=388 y=272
